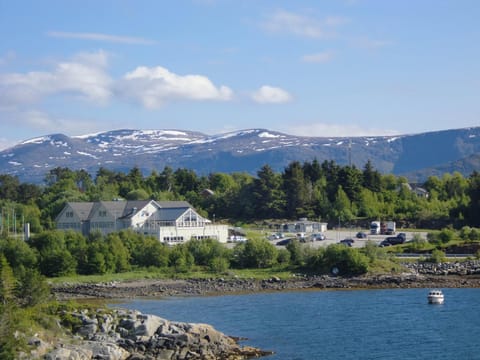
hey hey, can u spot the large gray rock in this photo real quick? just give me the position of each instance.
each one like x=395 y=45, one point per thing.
x=147 y=325
x=70 y=352
x=130 y=334
x=87 y=351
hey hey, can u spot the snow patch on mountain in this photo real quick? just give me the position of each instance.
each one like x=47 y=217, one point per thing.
x=393 y=139
x=37 y=140
x=266 y=134
x=87 y=154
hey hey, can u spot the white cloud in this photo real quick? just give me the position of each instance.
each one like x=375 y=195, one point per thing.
x=101 y=37
x=152 y=87
x=34 y=119
x=333 y=130
x=84 y=76
x=321 y=57
x=6 y=143
x=269 y=94
x=288 y=22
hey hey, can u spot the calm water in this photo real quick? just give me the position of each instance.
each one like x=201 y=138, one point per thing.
x=366 y=324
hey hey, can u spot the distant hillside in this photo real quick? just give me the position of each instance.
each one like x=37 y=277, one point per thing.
x=464 y=166
x=246 y=150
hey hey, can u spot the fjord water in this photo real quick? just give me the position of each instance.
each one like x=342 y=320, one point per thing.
x=359 y=324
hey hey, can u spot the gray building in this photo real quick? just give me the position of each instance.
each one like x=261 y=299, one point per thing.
x=169 y=221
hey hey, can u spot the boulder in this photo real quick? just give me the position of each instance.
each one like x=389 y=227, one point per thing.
x=140 y=336
x=70 y=352
x=87 y=351
x=147 y=325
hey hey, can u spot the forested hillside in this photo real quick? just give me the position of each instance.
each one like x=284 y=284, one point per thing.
x=325 y=191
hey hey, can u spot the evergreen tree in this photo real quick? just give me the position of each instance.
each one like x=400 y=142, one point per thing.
x=350 y=178
x=372 y=179
x=473 y=208
x=312 y=171
x=267 y=194
x=295 y=190
x=7 y=311
x=331 y=172
x=7 y=282
x=342 y=206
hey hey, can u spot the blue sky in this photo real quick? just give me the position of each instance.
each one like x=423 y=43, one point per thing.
x=313 y=68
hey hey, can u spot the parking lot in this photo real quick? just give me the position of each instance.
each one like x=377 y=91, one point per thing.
x=335 y=236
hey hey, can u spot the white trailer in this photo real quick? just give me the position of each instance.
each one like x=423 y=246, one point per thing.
x=390 y=228
x=382 y=227
x=375 y=227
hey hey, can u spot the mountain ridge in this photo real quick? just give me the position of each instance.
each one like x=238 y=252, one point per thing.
x=243 y=151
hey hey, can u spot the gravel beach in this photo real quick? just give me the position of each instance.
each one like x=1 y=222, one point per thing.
x=208 y=287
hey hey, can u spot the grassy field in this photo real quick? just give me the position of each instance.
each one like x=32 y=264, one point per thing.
x=280 y=272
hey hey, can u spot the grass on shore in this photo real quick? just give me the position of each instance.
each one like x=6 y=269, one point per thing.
x=153 y=273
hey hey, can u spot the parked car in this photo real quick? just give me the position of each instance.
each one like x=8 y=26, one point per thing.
x=393 y=240
x=403 y=236
x=384 y=243
x=237 y=238
x=273 y=237
x=361 y=235
x=318 y=237
x=348 y=242
x=283 y=242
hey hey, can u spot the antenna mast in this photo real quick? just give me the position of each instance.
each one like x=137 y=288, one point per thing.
x=350 y=152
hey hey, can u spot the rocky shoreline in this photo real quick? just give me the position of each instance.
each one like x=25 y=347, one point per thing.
x=130 y=335
x=126 y=334
x=451 y=275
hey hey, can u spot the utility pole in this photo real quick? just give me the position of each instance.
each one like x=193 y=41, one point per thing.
x=14 y=223
x=350 y=152
x=8 y=223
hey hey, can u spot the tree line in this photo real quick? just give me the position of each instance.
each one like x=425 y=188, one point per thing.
x=326 y=191
x=65 y=253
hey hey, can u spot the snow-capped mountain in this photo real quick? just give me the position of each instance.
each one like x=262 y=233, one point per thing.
x=245 y=150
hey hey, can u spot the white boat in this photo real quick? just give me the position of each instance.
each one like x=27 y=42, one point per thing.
x=435 y=297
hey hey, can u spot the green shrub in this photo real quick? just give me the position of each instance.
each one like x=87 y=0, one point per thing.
x=446 y=235
x=283 y=256
x=373 y=252
x=70 y=322
x=433 y=237
x=418 y=243
x=437 y=256
x=346 y=260
x=219 y=265
x=255 y=253
x=474 y=234
x=465 y=233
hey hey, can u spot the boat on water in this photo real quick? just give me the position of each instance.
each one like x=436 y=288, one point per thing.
x=435 y=297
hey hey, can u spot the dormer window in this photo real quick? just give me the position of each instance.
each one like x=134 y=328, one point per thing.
x=102 y=213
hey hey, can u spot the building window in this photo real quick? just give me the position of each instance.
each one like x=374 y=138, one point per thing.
x=102 y=213
x=173 y=239
x=69 y=214
x=103 y=225
x=203 y=237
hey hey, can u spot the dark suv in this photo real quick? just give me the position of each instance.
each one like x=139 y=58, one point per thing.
x=394 y=240
x=348 y=242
